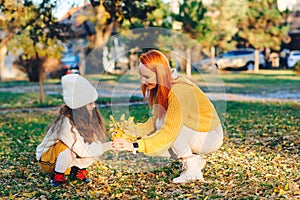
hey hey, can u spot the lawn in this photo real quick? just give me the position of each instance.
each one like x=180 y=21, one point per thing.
x=265 y=82
x=258 y=160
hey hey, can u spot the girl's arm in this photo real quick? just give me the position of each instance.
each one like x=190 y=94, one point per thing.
x=76 y=143
x=107 y=146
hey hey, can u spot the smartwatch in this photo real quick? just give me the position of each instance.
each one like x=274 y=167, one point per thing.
x=135 y=147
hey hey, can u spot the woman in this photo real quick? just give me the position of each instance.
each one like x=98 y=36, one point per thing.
x=74 y=138
x=184 y=121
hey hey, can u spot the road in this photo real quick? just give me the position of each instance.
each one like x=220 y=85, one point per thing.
x=131 y=89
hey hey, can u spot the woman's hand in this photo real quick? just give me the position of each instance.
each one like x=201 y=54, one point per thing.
x=122 y=144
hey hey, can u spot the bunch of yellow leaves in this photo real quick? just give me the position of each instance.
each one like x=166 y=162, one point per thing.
x=122 y=128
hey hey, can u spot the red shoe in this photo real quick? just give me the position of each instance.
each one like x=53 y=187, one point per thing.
x=57 y=179
x=79 y=174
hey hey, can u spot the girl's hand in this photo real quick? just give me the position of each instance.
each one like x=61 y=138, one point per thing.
x=122 y=144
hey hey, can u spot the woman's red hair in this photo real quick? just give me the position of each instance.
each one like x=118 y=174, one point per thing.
x=158 y=63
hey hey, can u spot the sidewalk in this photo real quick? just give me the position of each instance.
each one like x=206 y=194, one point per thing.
x=131 y=89
x=129 y=92
x=272 y=97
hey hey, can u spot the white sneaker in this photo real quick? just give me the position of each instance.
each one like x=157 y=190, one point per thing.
x=193 y=166
x=202 y=163
x=185 y=177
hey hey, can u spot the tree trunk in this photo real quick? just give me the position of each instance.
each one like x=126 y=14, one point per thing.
x=3 y=51
x=94 y=57
x=213 y=56
x=102 y=36
x=188 y=62
x=41 y=77
x=103 y=39
x=42 y=96
x=256 y=61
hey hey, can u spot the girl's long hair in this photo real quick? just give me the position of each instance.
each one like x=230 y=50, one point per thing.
x=158 y=63
x=90 y=127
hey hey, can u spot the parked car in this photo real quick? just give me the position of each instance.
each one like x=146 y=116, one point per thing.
x=70 y=63
x=293 y=58
x=205 y=64
x=239 y=59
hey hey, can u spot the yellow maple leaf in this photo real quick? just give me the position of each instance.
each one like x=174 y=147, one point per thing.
x=124 y=128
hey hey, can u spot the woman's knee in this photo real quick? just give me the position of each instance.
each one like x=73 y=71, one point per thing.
x=206 y=143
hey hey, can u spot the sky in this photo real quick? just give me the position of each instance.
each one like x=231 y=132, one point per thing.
x=65 y=5
x=283 y=4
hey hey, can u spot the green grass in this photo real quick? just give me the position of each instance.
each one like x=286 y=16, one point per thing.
x=9 y=100
x=247 y=83
x=259 y=159
x=16 y=83
x=243 y=82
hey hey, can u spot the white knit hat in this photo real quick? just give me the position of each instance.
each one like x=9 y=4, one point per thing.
x=77 y=91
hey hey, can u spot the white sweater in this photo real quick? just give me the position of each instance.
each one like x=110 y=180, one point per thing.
x=73 y=141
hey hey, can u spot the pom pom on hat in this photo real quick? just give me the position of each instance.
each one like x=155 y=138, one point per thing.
x=77 y=91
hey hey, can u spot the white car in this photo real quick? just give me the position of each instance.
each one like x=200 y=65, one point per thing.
x=293 y=57
x=239 y=59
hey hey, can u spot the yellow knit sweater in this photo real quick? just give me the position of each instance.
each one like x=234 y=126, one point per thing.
x=187 y=106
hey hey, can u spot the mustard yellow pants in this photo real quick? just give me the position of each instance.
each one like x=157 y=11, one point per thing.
x=48 y=159
x=61 y=158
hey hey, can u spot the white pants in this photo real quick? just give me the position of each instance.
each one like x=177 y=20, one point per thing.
x=190 y=142
x=68 y=159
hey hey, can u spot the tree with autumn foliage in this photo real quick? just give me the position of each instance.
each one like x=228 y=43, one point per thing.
x=11 y=23
x=110 y=17
x=263 y=27
x=32 y=30
x=225 y=15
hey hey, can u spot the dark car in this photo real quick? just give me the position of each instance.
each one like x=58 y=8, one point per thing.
x=70 y=63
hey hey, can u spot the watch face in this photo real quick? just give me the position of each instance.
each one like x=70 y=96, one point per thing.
x=135 y=145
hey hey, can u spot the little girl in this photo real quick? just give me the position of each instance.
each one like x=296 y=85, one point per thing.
x=73 y=141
